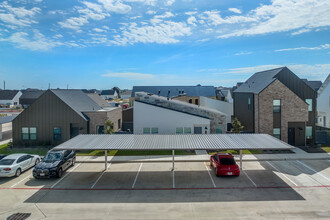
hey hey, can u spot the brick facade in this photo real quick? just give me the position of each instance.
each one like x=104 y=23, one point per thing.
x=293 y=109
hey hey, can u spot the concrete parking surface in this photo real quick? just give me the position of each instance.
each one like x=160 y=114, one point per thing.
x=294 y=189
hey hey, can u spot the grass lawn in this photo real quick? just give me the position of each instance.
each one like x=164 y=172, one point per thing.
x=326 y=149
x=4 y=149
x=237 y=152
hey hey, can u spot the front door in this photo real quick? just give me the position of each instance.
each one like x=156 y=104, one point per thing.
x=291 y=136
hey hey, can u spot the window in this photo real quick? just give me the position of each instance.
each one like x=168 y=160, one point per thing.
x=119 y=124
x=100 y=129
x=276 y=105
x=309 y=133
x=154 y=130
x=57 y=134
x=218 y=129
x=29 y=133
x=196 y=101
x=187 y=130
x=249 y=103
x=310 y=104
x=33 y=133
x=146 y=130
x=277 y=133
x=179 y=131
x=25 y=133
x=190 y=100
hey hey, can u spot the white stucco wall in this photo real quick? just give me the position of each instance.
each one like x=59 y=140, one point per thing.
x=166 y=120
x=323 y=107
x=224 y=107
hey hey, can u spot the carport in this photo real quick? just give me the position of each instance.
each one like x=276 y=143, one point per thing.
x=174 y=142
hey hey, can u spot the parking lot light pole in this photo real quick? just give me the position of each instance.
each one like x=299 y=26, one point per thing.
x=172 y=160
x=106 y=159
x=240 y=160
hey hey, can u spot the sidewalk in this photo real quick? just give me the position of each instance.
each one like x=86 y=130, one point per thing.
x=299 y=155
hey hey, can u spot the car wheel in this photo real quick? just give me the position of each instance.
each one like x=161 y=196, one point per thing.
x=18 y=172
x=73 y=162
x=37 y=161
x=59 y=173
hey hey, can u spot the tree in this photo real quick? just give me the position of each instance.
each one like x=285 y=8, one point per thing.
x=109 y=127
x=237 y=126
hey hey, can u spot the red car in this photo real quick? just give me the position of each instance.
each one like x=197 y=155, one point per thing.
x=224 y=165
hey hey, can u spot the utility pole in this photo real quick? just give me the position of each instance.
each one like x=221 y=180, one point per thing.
x=4 y=85
x=48 y=85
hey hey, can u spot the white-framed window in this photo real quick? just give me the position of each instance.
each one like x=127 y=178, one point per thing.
x=29 y=133
x=25 y=134
x=146 y=130
x=277 y=132
x=179 y=130
x=310 y=104
x=276 y=105
x=187 y=130
x=154 y=130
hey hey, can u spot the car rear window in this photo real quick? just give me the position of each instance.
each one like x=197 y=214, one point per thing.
x=227 y=161
x=6 y=162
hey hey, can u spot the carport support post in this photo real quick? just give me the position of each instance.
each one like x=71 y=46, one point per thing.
x=106 y=159
x=172 y=160
x=240 y=159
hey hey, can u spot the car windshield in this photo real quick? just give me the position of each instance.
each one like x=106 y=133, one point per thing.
x=6 y=162
x=227 y=161
x=53 y=156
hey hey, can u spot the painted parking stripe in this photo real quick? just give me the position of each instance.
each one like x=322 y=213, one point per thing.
x=316 y=172
x=255 y=185
x=210 y=175
x=20 y=181
x=100 y=177
x=137 y=176
x=282 y=173
x=173 y=179
x=64 y=176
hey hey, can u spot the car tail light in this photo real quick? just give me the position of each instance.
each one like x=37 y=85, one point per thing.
x=7 y=169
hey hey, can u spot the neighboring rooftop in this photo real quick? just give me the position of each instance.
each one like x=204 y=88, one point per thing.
x=108 y=92
x=324 y=84
x=8 y=94
x=98 y=99
x=31 y=94
x=313 y=84
x=171 y=91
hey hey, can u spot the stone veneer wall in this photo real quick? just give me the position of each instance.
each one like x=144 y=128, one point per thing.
x=216 y=118
x=100 y=117
x=293 y=109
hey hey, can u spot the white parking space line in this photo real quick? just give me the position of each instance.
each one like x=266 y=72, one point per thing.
x=20 y=181
x=210 y=175
x=282 y=173
x=137 y=176
x=100 y=177
x=64 y=176
x=173 y=179
x=255 y=185
x=310 y=168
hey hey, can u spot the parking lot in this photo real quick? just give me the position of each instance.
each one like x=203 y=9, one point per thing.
x=144 y=186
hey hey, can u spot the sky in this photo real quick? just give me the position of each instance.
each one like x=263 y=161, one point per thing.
x=105 y=43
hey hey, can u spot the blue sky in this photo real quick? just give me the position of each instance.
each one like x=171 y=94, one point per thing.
x=105 y=43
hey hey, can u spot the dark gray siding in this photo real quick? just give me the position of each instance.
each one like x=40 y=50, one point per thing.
x=46 y=113
x=241 y=111
x=299 y=87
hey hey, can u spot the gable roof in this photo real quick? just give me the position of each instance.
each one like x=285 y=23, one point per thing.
x=8 y=94
x=77 y=100
x=126 y=92
x=315 y=85
x=108 y=92
x=259 y=81
x=31 y=94
x=324 y=85
x=191 y=91
x=97 y=98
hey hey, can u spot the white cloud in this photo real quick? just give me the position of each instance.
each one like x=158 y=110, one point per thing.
x=150 y=12
x=214 y=18
x=243 y=53
x=130 y=75
x=321 y=47
x=115 y=6
x=191 y=12
x=169 y=2
x=282 y=16
x=99 y=30
x=192 y=20
x=235 y=10
x=17 y=16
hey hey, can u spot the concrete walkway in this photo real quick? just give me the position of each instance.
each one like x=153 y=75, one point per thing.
x=203 y=158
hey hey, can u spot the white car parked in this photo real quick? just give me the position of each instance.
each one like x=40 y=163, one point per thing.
x=15 y=164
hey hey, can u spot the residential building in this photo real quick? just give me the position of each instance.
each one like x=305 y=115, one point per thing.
x=190 y=94
x=125 y=94
x=10 y=98
x=29 y=96
x=224 y=94
x=279 y=103
x=153 y=114
x=60 y=114
x=109 y=94
x=323 y=104
x=128 y=119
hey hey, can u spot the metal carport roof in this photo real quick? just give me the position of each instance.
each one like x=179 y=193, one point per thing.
x=173 y=142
